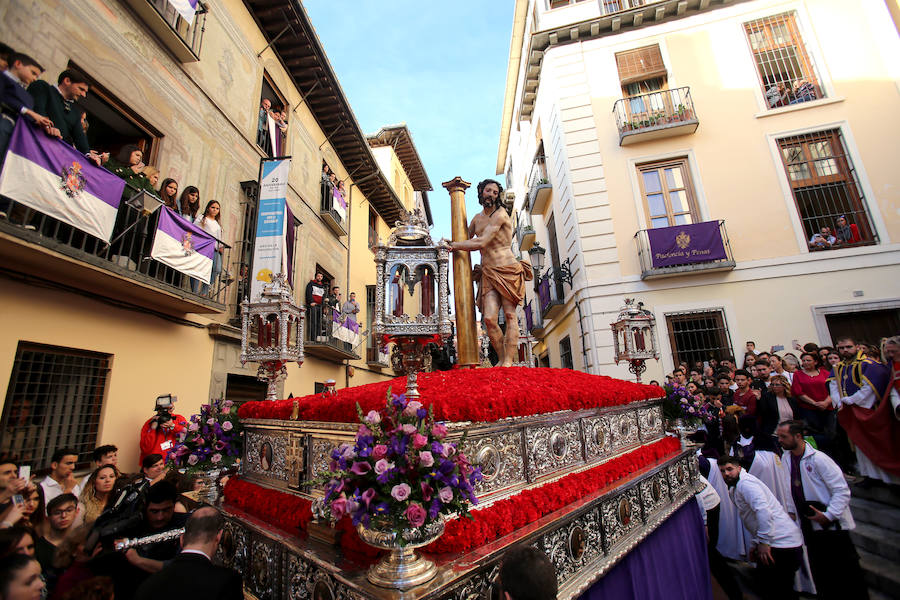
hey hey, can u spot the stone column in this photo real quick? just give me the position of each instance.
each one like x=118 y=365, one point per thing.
x=464 y=295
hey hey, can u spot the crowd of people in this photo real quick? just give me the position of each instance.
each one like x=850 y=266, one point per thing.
x=55 y=110
x=54 y=542
x=322 y=301
x=789 y=433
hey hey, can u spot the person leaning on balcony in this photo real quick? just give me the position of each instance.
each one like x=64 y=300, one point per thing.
x=168 y=193
x=315 y=294
x=5 y=52
x=58 y=104
x=210 y=222
x=129 y=164
x=151 y=173
x=822 y=240
x=262 y=126
x=22 y=71
x=189 y=203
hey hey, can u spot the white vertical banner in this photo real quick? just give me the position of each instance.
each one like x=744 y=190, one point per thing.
x=269 y=250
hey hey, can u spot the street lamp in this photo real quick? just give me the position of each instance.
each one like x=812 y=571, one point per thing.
x=536 y=254
x=634 y=337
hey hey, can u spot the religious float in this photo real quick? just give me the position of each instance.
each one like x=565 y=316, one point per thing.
x=577 y=465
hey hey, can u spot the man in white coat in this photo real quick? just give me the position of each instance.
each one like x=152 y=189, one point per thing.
x=822 y=499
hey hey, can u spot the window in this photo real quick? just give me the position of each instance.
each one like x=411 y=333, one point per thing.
x=373 y=229
x=641 y=73
x=271 y=127
x=565 y=353
x=697 y=336
x=826 y=189
x=667 y=193
x=112 y=124
x=561 y=3
x=318 y=387
x=785 y=69
x=554 y=255
x=544 y=360
x=54 y=400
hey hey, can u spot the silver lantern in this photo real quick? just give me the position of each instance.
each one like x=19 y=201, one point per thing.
x=272 y=332
x=412 y=306
x=634 y=337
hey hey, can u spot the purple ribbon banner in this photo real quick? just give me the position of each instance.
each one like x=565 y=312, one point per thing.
x=686 y=244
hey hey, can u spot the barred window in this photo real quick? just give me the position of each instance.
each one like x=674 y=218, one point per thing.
x=826 y=190
x=565 y=353
x=697 y=336
x=54 y=400
x=786 y=71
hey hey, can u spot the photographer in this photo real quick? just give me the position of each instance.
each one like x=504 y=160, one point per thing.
x=159 y=433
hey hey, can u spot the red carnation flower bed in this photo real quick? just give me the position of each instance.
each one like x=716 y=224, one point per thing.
x=469 y=395
x=288 y=512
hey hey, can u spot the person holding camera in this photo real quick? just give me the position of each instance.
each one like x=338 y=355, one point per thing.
x=822 y=498
x=159 y=433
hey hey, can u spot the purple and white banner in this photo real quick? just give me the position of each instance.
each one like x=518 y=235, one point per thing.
x=346 y=330
x=340 y=204
x=183 y=246
x=186 y=8
x=53 y=178
x=686 y=244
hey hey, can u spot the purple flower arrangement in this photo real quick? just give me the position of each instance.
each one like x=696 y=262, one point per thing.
x=401 y=472
x=692 y=409
x=212 y=439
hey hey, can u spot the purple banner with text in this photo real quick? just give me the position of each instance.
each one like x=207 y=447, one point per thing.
x=686 y=244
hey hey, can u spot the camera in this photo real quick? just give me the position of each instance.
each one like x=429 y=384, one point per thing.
x=164 y=406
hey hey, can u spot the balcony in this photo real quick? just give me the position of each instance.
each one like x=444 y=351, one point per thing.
x=539 y=187
x=183 y=39
x=550 y=296
x=662 y=114
x=44 y=248
x=684 y=249
x=377 y=359
x=332 y=211
x=321 y=340
x=534 y=322
x=525 y=232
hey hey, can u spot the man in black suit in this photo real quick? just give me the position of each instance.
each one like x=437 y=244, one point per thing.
x=23 y=70
x=58 y=103
x=192 y=575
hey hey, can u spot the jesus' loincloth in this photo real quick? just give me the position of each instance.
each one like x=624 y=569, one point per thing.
x=507 y=280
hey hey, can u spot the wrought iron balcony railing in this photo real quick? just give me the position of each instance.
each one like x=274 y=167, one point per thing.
x=525 y=234
x=332 y=210
x=664 y=113
x=539 y=187
x=550 y=296
x=183 y=38
x=126 y=269
x=684 y=249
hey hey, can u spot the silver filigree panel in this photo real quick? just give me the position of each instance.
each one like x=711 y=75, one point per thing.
x=264 y=573
x=320 y=455
x=654 y=493
x=552 y=447
x=574 y=544
x=680 y=478
x=621 y=515
x=265 y=455
x=500 y=457
x=650 y=421
x=624 y=429
x=597 y=438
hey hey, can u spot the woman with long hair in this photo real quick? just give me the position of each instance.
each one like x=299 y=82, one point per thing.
x=97 y=494
x=189 y=204
x=810 y=387
x=33 y=511
x=776 y=406
x=210 y=222
x=168 y=193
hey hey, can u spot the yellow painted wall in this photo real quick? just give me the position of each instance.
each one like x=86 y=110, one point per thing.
x=150 y=356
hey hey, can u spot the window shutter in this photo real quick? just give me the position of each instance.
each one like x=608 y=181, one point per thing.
x=640 y=63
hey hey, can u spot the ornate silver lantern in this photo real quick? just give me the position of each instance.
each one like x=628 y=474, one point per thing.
x=634 y=337
x=272 y=332
x=412 y=295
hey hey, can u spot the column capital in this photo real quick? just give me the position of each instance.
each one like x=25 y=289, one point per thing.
x=457 y=184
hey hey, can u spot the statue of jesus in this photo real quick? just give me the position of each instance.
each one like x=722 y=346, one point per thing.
x=501 y=282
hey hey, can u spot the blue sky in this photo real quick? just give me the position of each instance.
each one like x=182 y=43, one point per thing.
x=438 y=67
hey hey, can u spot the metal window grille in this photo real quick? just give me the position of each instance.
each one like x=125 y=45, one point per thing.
x=786 y=70
x=372 y=342
x=826 y=190
x=697 y=336
x=54 y=400
x=565 y=353
x=244 y=246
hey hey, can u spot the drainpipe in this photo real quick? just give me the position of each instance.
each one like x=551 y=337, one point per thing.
x=349 y=240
